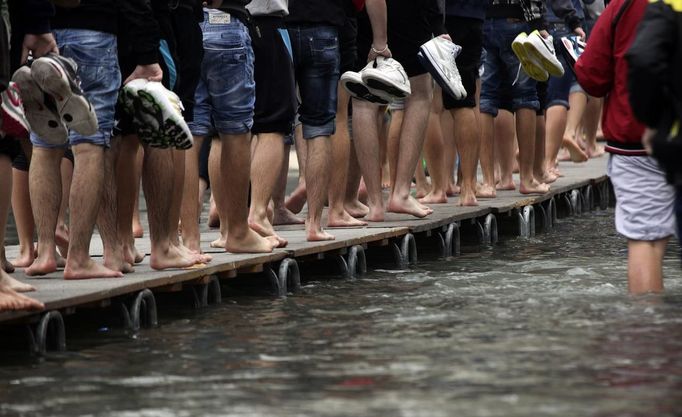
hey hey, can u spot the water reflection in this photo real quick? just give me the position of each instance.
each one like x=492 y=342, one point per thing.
x=529 y=328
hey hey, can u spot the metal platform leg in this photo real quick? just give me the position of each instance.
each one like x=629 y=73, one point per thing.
x=526 y=217
x=357 y=262
x=49 y=333
x=490 y=229
x=277 y=284
x=588 y=198
x=204 y=295
x=141 y=311
x=290 y=274
x=576 y=202
x=406 y=253
x=604 y=195
x=452 y=239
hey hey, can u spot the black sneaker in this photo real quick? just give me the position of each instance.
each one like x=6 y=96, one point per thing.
x=57 y=76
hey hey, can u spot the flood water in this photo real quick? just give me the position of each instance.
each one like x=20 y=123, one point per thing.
x=529 y=328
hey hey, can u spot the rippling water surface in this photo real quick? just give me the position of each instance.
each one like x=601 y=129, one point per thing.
x=529 y=328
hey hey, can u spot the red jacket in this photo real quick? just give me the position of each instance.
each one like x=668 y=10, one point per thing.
x=603 y=71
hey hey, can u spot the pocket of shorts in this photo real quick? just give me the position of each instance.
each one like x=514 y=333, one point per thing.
x=234 y=56
x=324 y=44
x=84 y=55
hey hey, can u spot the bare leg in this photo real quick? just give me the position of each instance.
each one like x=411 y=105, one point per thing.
x=337 y=215
x=411 y=141
x=540 y=170
x=282 y=214
x=468 y=137
x=190 y=210
x=433 y=152
x=84 y=203
x=128 y=179
x=451 y=142
x=317 y=181
x=487 y=188
x=505 y=151
x=297 y=199
x=218 y=187
x=138 y=230
x=645 y=263
x=577 y=104
x=23 y=216
x=5 y=195
x=45 y=188
x=266 y=168
x=383 y=152
x=366 y=142
x=394 y=142
x=235 y=164
x=351 y=202
x=62 y=232
x=591 y=125
x=525 y=133
x=114 y=257
x=11 y=300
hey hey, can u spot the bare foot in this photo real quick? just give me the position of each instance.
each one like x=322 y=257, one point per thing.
x=485 y=191
x=576 y=153
x=43 y=265
x=407 y=205
x=265 y=229
x=467 y=199
x=88 y=270
x=356 y=209
x=363 y=197
x=219 y=243
x=117 y=263
x=506 y=185
x=61 y=261
x=434 y=197
x=10 y=300
x=138 y=231
x=555 y=171
x=170 y=257
x=26 y=257
x=61 y=239
x=453 y=190
x=283 y=215
x=595 y=152
x=131 y=255
x=197 y=256
x=297 y=199
x=250 y=242
x=423 y=190
x=317 y=234
x=376 y=214
x=343 y=219
x=17 y=285
x=546 y=177
x=534 y=187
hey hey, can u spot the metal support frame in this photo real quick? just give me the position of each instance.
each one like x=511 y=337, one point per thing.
x=290 y=275
x=406 y=253
x=526 y=218
x=490 y=235
x=588 y=198
x=207 y=294
x=357 y=261
x=140 y=311
x=49 y=333
x=576 y=202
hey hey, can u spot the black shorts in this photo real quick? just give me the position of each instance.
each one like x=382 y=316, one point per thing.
x=276 y=101
x=541 y=88
x=363 y=41
x=348 y=44
x=467 y=33
x=5 y=74
x=189 y=46
x=408 y=29
x=10 y=148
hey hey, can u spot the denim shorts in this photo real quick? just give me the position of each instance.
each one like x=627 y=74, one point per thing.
x=226 y=94
x=502 y=70
x=559 y=88
x=317 y=65
x=96 y=54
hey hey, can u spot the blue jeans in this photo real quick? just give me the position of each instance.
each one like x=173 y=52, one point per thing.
x=502 y=73
x=96 y=54
x=558 y=89
x=226 y=94
x=317 y=64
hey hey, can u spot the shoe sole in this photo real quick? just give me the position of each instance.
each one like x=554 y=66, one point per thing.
x=425 y=57
x=45 y=123
x=170 y=133
x=553 y=67
x=361 y=92
x=374 y=82
x=75 y=110
x=13 y=122
x=533 y=71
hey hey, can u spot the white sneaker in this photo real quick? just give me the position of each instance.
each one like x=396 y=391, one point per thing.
x=438 y=57
x=388 y=76
x=40 y=109
x=12 y=117
x=543 y=50
x=529 y=63
x=352 y=82
x=57 y=76
x=157 y=114
x=573 y=47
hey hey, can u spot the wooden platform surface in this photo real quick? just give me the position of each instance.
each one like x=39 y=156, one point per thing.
x=57 y=293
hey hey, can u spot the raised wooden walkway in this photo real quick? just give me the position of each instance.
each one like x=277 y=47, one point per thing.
x=583 y=188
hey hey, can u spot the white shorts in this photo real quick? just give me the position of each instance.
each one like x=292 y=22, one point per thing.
x=644 y=200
